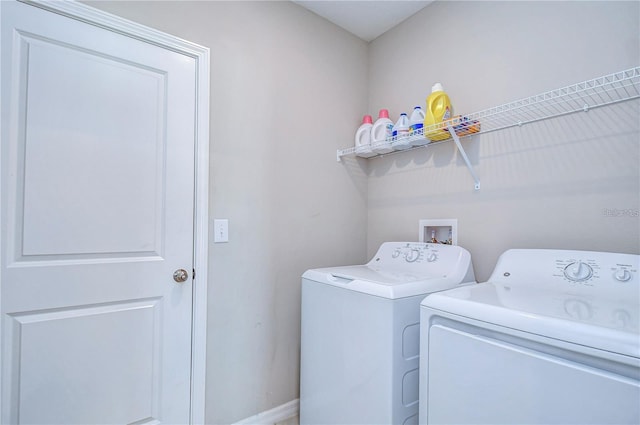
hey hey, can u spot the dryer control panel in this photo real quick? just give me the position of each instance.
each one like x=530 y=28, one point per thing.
x=585 y=268
x=596 y=287
x=592 y=269
x=589 y=270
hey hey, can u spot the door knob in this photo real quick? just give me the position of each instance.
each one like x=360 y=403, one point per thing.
x=180 y=275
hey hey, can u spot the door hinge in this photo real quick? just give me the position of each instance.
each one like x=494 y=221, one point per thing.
x=193 y=275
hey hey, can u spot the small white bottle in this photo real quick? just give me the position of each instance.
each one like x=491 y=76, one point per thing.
x=363 y=138
x=417 y=119
x=416 y=123
x=381 y=133
x=401 y=128
x=400 y=133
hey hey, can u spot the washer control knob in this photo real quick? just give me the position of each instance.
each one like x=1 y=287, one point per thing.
x=622 y=275
x=412 y=255
x=432 y=257
x=396 y=253
x=578 y=271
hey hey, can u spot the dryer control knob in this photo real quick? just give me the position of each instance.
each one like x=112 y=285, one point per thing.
x=578 y=271
x=622 y=319
x=578 y=309
x=622 y=275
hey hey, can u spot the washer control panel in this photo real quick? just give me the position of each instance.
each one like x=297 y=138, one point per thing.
x=416 y=252
x=419 y=257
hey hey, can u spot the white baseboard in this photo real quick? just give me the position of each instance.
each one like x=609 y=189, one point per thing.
x=275 y=415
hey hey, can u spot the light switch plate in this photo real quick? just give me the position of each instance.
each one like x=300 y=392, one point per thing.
x=220 y=230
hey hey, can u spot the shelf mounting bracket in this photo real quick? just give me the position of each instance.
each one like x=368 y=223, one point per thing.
x=456 y=139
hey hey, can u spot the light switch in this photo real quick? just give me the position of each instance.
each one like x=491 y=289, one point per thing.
x=220 y=230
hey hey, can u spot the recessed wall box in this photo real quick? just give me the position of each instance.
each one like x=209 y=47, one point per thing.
x=442 y=230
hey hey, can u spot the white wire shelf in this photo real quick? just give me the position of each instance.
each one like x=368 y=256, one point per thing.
x=581 y=97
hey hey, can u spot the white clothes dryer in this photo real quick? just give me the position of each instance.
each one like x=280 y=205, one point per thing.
x=360 y=332
x=552 y=338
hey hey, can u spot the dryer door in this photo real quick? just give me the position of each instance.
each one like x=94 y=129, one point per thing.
x=480 y=378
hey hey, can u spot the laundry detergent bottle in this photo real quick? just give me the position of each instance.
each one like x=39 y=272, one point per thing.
x=417 y=120
x=439 y=109
x=363 y=138
x=381 y=133
x=416 y=123
x=401 y=128
x=400 y=132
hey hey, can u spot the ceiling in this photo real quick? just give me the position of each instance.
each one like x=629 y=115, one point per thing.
x=365 y=19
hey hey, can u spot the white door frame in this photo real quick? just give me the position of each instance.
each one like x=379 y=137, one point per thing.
x=200 y=54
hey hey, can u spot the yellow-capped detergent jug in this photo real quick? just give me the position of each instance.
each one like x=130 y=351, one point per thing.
x=439 y=109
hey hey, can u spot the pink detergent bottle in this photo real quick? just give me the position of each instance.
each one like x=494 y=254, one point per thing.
x=363 y=138
x=381 y=133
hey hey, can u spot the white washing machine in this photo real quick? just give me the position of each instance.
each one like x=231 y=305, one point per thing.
x=360 y=333
x=552 y=338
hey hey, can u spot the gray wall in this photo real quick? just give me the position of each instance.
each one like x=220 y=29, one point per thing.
x=544 y=185
x=287 y=90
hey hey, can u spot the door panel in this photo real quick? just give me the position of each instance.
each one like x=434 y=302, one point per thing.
x=79 y=176
x=63 y=343
x=91 y=155
x=96 y=185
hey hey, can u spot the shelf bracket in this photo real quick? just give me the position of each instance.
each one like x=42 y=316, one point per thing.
x=456 y=139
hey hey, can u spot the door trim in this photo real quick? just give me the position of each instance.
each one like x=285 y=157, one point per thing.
x=200 y=54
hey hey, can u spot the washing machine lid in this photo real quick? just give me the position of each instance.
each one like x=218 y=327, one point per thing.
x=402 y=269
x=386 y=283
x=600 y=311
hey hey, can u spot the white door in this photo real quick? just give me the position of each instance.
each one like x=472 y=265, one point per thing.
x=97 y=193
